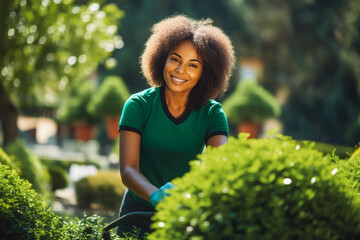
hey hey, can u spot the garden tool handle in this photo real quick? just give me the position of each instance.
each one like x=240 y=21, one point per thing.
x=126 y=218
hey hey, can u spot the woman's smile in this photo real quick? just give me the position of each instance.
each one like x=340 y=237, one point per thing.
x=177 y=80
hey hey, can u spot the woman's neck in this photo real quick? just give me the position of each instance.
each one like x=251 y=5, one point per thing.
x=176 y=102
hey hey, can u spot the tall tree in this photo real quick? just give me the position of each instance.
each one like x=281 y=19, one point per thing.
x=47 y=46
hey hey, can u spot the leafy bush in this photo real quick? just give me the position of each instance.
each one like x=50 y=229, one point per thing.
x=30 y=166
x=110 y=98
x=23 y=214
x=104 y=188
x=59 y=177
x=250 y=102
x=259 y=189
x=350 y=169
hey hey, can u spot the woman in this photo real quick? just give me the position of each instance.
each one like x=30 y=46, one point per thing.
x=187 y=63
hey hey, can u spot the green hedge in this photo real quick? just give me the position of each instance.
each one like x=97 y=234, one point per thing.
x=25 y=215
x=260 y=189
x=30 y=166
x=59 y=177
x=105 y=189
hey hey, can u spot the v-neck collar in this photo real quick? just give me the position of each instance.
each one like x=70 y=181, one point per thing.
x=176 y=121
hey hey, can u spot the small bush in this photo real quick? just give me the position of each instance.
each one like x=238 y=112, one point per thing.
x=30 y=166
x=59 y=177
x=23 y=214
x=350 y=169
x=250 y=102
x=110 y=98
x=74 y=110
x=104 y=188
x=259 y=189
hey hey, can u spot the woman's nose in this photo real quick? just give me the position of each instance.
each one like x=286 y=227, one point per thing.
x=180 y=68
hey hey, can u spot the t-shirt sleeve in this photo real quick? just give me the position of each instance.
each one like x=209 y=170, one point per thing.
x=133 y=115
x=217 y=122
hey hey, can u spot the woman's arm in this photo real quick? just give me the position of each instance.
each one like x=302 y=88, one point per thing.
x=217 y=140
x=129 y=165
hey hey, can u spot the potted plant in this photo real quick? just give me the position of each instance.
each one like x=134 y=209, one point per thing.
x=249 y=106
x=108 y=102
x=74 y=111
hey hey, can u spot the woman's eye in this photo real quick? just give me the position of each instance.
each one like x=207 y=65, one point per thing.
x=174 y=59
x=193 y=65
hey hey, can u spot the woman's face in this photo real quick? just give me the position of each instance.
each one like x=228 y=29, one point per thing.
x=183 y=68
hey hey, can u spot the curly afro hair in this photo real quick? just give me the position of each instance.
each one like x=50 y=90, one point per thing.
x=214 y=48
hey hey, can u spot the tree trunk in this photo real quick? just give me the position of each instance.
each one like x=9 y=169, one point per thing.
x=8 y=112
x=8 y=117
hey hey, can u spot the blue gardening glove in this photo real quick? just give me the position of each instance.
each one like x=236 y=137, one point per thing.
x=157 y=196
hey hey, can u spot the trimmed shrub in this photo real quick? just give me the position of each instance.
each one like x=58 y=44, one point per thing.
x=24 y=214
x=30 y=166
x=110 y=98
x=259 y=189
x=250 y=102
x=59 y=177
x=105 y=189
x=74 y=110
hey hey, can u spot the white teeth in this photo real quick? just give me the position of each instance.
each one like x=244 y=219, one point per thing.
x=178 y=80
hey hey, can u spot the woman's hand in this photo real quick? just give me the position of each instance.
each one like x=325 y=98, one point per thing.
x=157 y=196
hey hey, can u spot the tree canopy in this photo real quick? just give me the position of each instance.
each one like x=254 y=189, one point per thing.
x=47 y=46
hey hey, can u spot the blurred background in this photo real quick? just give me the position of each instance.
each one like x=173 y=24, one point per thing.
x=67 y=66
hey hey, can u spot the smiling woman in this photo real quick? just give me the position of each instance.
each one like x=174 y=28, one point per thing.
x=187 y=63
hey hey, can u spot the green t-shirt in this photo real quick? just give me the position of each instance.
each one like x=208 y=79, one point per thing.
x=168 y=143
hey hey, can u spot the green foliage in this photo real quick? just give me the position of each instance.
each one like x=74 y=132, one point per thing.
x=250 y=102
x=74 y=109
x=350 y=169
x=59 y=177
x=23 y=214
x=259 y=189
x=110 y=98
x=105 y=188
x=89 y=227
x=11 y=162
x=30 y=166
x=47 y=45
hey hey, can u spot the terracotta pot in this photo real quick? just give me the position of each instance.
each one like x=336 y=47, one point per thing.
x=249 y=127
x=84 y=132
x=112 y=127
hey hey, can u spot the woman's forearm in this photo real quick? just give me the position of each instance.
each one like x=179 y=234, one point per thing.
x=137 y=183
